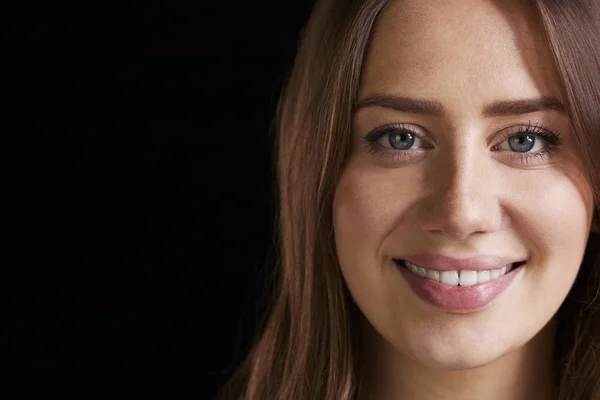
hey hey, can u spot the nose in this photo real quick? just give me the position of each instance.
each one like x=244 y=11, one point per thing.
x=463 y=198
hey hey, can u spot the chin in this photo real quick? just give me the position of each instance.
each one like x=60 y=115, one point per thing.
x=456 y=356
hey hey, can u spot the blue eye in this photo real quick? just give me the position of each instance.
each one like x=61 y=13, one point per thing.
x=523 y=144
x=529 y=143
x=401 y=140
x=398 y=138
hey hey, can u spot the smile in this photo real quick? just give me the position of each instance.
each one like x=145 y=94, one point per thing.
x=459 y=278
x=459 y=291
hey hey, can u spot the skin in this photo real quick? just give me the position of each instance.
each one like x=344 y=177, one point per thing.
x=460 y=193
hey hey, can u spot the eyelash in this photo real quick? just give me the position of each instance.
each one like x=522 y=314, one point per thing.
x=552 y=139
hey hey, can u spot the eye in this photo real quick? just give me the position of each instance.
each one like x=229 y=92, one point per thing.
x=395 y=138
x=523 y=143
x=402 y=140
x=395 y=142
x=530 y=143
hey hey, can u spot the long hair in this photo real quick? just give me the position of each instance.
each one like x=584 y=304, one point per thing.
x=308 y=345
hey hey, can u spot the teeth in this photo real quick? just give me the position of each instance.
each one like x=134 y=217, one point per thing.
x=449 y=278
x=464 y=277
x=412 y=268
x=483 y=276
x=432 y=274
x=468 y=278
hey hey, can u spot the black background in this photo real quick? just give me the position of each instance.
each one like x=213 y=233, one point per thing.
x=145 y=192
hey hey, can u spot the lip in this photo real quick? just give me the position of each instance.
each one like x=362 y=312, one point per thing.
x=458 y=299
x=443 y=263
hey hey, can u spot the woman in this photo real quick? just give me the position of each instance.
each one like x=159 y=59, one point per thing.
x=439 y=173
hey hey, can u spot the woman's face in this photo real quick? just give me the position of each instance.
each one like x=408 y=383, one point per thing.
x=469 y=171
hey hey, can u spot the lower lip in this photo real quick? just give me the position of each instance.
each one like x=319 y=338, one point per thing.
x=458 y=299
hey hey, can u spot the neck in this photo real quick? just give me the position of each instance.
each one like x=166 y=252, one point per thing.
x=523 y=374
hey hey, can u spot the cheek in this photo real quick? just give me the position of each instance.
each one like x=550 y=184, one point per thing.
x=367 y=206
x=364 y=214
x=551 y=216
x=560 y=236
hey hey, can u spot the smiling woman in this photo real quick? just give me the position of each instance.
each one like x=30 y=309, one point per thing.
x=439 y=173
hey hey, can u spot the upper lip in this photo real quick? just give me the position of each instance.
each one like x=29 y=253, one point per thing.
x=444 y=263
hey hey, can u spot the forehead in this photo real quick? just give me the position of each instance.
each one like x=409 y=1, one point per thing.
x=463 y=53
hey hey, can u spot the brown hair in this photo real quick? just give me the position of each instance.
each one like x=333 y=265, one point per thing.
x=308 y=347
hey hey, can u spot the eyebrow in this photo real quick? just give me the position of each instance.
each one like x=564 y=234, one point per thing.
x=436 y=109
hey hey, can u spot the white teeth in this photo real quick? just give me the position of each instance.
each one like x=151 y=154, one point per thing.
x=483 y=276
x=432 y=274
x=449 y=278
x=464 y=277
x=412 y=267
x=468 y=278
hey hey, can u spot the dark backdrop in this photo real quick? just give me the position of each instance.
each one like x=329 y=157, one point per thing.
x=147 y=205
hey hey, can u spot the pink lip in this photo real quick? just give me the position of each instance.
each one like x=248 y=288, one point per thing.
x=442 y=263
x=458 y=299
